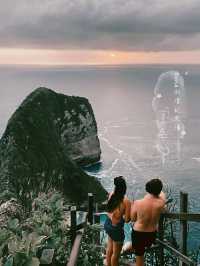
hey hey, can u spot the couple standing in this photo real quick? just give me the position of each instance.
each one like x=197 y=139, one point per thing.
x=143 y=213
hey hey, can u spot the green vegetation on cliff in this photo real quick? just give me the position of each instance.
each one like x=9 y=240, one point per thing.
x=45 y=140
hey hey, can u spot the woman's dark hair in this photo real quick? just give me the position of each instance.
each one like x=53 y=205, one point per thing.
x=118 y=194
x=154 y=186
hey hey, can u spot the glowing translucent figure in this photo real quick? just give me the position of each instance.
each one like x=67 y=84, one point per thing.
x=169 y=107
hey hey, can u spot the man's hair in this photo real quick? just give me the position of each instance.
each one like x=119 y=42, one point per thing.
x=154 y=186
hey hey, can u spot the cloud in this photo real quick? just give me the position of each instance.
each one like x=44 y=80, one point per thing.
x=130 y=25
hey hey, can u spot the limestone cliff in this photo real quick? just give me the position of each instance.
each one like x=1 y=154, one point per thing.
x=45 y=140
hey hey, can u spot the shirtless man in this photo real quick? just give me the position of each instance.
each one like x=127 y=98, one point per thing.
x=145 y=214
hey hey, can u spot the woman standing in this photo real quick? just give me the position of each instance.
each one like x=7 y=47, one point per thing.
x=118 y=208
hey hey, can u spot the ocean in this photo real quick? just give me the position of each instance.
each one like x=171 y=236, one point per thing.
x=137 y=140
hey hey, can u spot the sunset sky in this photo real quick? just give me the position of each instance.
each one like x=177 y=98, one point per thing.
x=59 y=32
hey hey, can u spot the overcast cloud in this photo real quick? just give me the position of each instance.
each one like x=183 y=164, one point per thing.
x=133 y=25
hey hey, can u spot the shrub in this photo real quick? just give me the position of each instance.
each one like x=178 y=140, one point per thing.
x=22 y=242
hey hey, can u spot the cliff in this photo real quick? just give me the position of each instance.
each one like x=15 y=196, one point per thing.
x=45 y=141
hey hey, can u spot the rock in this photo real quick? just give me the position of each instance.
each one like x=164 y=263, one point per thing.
x=45 y=141
x=47 y=256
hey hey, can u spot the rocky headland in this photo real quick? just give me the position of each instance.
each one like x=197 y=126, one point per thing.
x=46 y=141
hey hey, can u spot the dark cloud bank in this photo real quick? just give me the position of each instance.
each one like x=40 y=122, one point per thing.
x=144 y=25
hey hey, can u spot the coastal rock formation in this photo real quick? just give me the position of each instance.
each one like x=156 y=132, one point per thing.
x=78 y=131
x=45 y=141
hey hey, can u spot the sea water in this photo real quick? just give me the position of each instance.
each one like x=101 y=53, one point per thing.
x=121 y=97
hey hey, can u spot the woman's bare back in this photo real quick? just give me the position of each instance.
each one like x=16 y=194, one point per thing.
x=122 y=210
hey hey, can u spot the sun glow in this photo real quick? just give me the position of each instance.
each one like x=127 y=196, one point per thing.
x=90 y=57
x=113 y=55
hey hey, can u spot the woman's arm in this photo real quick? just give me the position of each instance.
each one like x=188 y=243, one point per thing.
x=127 y=210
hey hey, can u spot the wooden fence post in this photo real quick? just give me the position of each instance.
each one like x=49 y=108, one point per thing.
x=161 y=237
x=96 y=207
x=73 y=224
x=97 y=221
x=90 y=207
x=183 y=225
x=97 y=218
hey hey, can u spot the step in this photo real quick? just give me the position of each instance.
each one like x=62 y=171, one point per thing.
x=124 y=262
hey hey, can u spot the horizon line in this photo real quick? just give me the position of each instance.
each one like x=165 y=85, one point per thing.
x=99 y=64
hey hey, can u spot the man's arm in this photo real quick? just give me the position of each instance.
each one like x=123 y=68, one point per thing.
x=163 y=197
x=134 y=211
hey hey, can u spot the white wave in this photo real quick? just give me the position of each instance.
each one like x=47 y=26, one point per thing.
x=124 y=157
x=106 y=172
x=104 y=131
x=114 y=163
x=131 y=137
x=196 y=159
x=132 y=169
x=115 y=126
x=110 y=145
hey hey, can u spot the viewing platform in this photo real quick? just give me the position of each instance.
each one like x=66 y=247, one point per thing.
x=162 y=251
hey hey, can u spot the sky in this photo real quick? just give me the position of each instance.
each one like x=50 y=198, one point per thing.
x=52 y=32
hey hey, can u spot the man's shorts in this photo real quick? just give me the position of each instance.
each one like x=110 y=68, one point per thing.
x=142 y=240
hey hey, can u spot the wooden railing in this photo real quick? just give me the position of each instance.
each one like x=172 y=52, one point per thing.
x=77 y=231
x=75 y=249
x=183 y=217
